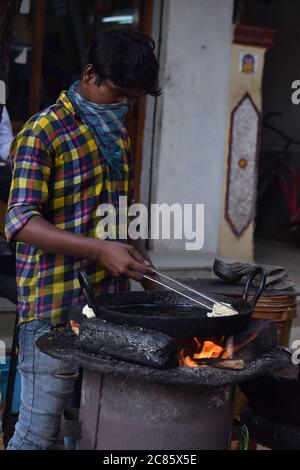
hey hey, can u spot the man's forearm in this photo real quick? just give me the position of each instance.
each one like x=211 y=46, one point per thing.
x=117 y=258
x=42 y=234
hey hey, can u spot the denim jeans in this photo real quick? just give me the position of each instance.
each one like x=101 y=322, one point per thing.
x=46 y=386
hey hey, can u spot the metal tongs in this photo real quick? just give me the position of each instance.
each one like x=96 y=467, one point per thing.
x=201 y=302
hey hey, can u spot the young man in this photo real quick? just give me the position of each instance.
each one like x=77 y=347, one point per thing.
x=68 y=160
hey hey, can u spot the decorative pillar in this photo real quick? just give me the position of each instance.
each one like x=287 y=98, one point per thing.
x=242 y=141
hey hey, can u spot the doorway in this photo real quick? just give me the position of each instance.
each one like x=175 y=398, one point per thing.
x=278 y=188
x=50 y=39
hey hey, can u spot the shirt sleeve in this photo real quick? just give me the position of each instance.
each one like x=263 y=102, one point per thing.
x=29 y=188
x=6 y=134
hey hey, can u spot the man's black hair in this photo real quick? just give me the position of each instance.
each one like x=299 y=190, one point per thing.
x=125 y=56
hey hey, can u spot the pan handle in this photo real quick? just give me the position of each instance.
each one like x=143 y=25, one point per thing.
x=252 y=276
x=86 y=287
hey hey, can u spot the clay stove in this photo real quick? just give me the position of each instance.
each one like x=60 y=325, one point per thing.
x=125 y=406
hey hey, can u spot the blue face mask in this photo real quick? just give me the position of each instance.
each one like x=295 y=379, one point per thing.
x=105 y=121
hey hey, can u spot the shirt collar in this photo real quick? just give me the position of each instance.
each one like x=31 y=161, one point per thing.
x=64 y=100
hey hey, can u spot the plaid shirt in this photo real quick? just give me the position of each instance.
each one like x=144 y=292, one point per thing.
x=60 y=174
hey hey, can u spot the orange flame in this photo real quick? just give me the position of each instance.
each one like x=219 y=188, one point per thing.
x=200 y=349
x=210 y=348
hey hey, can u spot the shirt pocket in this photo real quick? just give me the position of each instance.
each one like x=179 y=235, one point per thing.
x=78 y=174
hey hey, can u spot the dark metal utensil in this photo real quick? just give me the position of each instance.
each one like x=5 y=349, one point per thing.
x=169 y=313
x=225 y=272
x=87 y=290
x=166 y=286
x=206 y=301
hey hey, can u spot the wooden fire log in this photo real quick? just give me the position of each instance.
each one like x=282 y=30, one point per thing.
x=130 y=344
x=237 y=364
x=234 y=364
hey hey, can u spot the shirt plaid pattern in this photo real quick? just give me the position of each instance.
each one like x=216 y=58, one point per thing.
x=60 y=174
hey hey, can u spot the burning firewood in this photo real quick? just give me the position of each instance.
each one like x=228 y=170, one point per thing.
x=136 y=345
x=75 y=327
x=222 y=363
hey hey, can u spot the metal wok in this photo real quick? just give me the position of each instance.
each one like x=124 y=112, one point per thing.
x=168 y=312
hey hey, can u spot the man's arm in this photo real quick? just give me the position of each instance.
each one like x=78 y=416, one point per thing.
x=24 y=219
x=117 y=258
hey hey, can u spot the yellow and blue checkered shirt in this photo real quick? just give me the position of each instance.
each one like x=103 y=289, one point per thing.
x=60 y=174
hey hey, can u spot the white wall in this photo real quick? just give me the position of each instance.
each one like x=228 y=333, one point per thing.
x=189 y=152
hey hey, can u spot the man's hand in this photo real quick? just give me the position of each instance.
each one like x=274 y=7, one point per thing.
x=121 y=259
x=146 y=283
